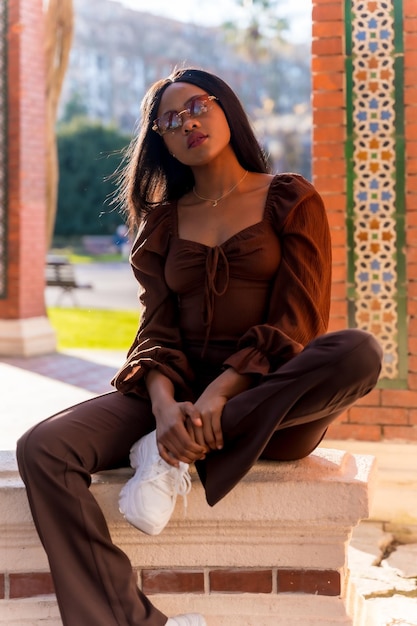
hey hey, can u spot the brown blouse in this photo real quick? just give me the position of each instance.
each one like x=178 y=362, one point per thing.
x=251 y=303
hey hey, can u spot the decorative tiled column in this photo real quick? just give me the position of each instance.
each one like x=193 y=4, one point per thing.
x=24 y=327
x=375 y=167
x=365 y=165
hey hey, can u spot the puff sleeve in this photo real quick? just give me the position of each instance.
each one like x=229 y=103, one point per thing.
x=300 y=296
x=158 y=343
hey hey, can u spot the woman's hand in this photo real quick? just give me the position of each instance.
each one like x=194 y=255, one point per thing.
x=210 y=407
x=175 y=443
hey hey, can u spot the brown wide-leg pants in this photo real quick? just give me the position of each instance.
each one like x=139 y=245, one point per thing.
x=283 y=418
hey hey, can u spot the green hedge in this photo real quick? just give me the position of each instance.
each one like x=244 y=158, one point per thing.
x=88 y=153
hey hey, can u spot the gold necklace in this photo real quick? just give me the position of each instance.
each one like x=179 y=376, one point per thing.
x=224 y=195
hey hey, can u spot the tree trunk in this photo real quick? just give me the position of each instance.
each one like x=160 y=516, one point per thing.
x=59 y=19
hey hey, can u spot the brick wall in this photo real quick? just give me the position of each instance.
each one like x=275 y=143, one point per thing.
x=386 y=413
x=196 y=581
x=26 y=165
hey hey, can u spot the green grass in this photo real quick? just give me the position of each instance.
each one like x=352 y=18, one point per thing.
x=81 y=257
x=93 y=328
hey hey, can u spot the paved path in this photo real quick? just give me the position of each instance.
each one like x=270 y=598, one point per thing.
x=36 y=387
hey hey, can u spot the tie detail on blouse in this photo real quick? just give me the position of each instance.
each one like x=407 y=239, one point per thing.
x=216 y=258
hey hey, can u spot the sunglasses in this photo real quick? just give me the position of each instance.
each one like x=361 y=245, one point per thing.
x=170 y=121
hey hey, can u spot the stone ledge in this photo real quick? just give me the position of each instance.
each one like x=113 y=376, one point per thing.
x=282 y=532
x=394 y=501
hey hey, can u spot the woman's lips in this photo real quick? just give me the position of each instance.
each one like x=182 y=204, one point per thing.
x=195 y=139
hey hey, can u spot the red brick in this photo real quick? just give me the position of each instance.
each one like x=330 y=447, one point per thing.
x=411 y=255
x=323 y=29
x=337 y=323
x=329 y=12
x=336 y=184
x=412 y=307
x=410 y=59
x=240 y=581
x=378 y=415
x=412 y=363
x=409 y=8
x=172 y=581
x=326 y=167
x=328 y=100
x=327 y=46
x=399 y=397
x=339 y=240
x=28 y=585
x=323 y=2
x=26 y=141
x=335 y=202
x=332 y=81
x=400 y=433
x=360 y=432
x=326 y=64
x=323 y=134
x=371 y=399
x=411 y=149
x=411 y=166
x=327 y=150
x=338 y=309
x=337 y=219
x=412 y=345
x=339 y=291
x=332 y=117
x=339 y=272
x=2 y=586
x=411 y=220
x=412 y=289
x=338 y=236
x=410 y=95
x=320 y=582
x=412 y=381
x=410 y=41
x=413 y=417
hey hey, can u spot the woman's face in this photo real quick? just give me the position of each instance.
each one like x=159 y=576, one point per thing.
x=200 y=139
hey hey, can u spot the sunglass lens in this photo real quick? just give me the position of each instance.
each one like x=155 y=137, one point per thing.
x=169 y=121
x=198 y=106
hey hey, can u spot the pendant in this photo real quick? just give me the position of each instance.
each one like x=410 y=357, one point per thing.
x=215 y=203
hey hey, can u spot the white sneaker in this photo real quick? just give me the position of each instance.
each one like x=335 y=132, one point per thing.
x=189 y=619
x=148 y=499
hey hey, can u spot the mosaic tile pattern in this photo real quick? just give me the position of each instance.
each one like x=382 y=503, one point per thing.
x=3 y=149
x=375 y=178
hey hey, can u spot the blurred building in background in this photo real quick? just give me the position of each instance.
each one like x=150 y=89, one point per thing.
x=117 y=52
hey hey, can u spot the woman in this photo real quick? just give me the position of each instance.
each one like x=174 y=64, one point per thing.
x=231 y=362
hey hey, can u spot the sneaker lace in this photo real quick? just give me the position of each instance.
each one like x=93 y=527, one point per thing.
x=177 y=479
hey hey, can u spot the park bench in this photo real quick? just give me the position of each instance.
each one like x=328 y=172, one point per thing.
x=59 y=272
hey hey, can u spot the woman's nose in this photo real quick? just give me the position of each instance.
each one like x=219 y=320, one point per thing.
x=189 y=124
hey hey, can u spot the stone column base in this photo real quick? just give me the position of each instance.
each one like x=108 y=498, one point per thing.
x=26 y=337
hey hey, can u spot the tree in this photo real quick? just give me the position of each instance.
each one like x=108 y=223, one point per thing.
x=89 y=153
x=260 y=30
x=75 y=107
x=59 y=17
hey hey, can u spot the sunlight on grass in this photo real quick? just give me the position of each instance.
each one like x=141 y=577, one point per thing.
x=93 y=328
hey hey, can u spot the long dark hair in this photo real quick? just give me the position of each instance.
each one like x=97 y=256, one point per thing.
x=152 y=175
